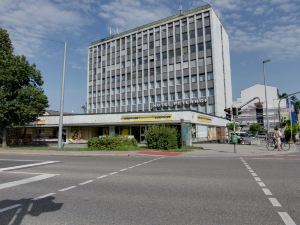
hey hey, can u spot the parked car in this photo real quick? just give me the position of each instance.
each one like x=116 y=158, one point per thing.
x=244 y=138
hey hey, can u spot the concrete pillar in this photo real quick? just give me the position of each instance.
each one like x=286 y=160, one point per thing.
x=186 y=134
x=112 y=131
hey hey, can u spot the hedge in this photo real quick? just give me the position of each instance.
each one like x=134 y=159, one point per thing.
x=111 y=143
x=161 y=137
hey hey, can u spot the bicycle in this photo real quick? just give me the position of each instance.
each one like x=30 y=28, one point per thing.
x=272 y=144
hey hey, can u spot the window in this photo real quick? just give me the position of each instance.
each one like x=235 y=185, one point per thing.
x=157 y=56
x=203 y=93
x=179 y=95
x=200 y=32
x=171 y=53
x=208 y=61
x=193 y=63
x=195 y=94
x=158 y=97
x=184 y=36
x=157 y=43
x=165 y=83
x=164 y=55
x=118 y=103
x=152 y=98
x=170 y=39
x=140 y=100
x=193 y=48
x=210 y=92
x=165 y=97
x=211 y=109
x=194 y=78
x=134 y=101
x=192 y=34
x=158 y=84
x=185 y=65
x=178 y=51
x=201 y=62
x=128 y=88
x=207 y=30
x=164 y=69
x=178 y=80
x=208 y=45
x=164 y=41
x=200 y=47
x=123 y=90
x=186 y=80
x=172 y=96
x=178 y=66
x=145 y=86
x=172 y=83
x=151 y=85
x=210 y=76
x=186 y=94
x=134 y=87
x=113 y=104
x=146 y=99
x=171 y=68
x=177 y=37
x=201 y=77
x=185 y=50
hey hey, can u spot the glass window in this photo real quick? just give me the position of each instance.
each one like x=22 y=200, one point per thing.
x=172 y=96
x=210 y=92
x=152 y=98
x=146 y=86
x=208 y=61
x=134 y=87
x=134 y=101
x=151 y=84
x=172 y=83
x=164 y=69
x=200 y=32
x=192 y=34
x=164 y=41
x=184 y=36
x=140 y=100
x=200 y=47
x=211 y=109
x=177 y=37
x=158 y=84
x=179 y=95
x=171 y=53
x=165 y=83
x=201 y=77
x=146 y=99
x=194 y=78
x=158 y=97
x=185 y=65
x=178 y=66
x=195 y=94
x=208 y=45
x=157 y=43
x=210 y=76
x=185 y=50
x=186 y=94
x=193 y=63
x=165 y=97
x=171 y=67
x=201 y=62
x=128 y=88
x=178 y=80
x=140 y=88
x=193 y=48
x=203 y=93
x=123 y=102
x=123 y=90
x=186 y=80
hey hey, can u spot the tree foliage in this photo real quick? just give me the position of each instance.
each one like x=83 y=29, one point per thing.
x=255 y=128
x=21 y=95
x=233 y=126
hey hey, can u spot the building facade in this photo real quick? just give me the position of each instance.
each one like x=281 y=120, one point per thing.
x=250 y=112
x=178 y=63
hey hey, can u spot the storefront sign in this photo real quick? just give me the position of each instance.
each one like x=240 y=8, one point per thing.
x=147 y=118
x=199 y=101
x=204 y=119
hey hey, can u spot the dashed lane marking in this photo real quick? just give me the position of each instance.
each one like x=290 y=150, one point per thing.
x=43 y=196
x=267 y=191
x=86 y=182
x=67 y=188
x=275 y=202
x=286 y=218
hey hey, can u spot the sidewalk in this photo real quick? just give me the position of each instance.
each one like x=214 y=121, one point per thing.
x=222 y=150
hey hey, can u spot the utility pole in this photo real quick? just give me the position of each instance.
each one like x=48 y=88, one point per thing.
x=60 y=129
x=266 y=97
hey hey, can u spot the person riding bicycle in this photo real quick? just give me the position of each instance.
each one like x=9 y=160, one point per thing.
x=278 y=136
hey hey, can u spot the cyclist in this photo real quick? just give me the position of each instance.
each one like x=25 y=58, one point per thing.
x=278 y=136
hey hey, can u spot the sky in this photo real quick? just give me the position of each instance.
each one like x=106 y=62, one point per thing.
x=258 y=30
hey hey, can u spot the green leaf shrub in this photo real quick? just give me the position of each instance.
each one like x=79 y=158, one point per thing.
x=112 y=143
x=161 y=137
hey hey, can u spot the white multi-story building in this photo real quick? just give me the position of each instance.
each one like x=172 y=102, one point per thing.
x=249 y=112
x=178 y=63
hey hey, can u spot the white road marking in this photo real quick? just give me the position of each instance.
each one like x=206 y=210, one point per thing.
x=251 y=171
x=21 y=160
x=103 y=176
x=131 y=167
x=261 y=184
x=19 y=172
x=10 y=207
x=267 y=191
x=123 y=169
x=113 y=173
x=138 y=164
x=286 y=218
x=275 y=202
x=257 y=179
x=67 y=188
x=254 y=174
x=28 y=165
x=26 y=181
x=43 y=196
x=86 y=182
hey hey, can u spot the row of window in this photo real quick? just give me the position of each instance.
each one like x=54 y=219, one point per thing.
x=162 y=29
x=158 y=98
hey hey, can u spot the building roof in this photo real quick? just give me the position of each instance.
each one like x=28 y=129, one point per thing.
x=148 y=25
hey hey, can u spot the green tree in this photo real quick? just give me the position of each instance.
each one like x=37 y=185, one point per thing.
x=255 y=128
x=233 y=126
x=21 y=95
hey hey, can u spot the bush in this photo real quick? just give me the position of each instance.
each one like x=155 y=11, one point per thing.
x=287 y=132
x=161 y=137
x=112 y=143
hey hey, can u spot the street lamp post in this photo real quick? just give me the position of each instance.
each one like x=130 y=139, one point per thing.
x=266 y=97
x=60 y=129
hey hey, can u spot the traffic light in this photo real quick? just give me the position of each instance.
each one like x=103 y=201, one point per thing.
x=228 y=113
x=236 y=111
x=259 y=113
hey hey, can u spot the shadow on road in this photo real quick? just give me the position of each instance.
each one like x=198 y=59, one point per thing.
x=25 y=207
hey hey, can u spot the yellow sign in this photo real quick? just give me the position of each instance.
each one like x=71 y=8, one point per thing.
x=204 y=119
x=147 y=118
x=40 y=122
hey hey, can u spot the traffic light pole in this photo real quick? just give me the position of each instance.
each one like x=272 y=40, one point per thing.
x=234 y=145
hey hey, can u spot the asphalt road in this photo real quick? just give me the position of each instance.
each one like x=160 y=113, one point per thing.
x=149 y=190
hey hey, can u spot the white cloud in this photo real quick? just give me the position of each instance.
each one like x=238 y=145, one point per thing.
x=125 y=14
x=31 y=21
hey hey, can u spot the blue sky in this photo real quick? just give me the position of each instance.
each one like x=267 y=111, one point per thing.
x=257 y=29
